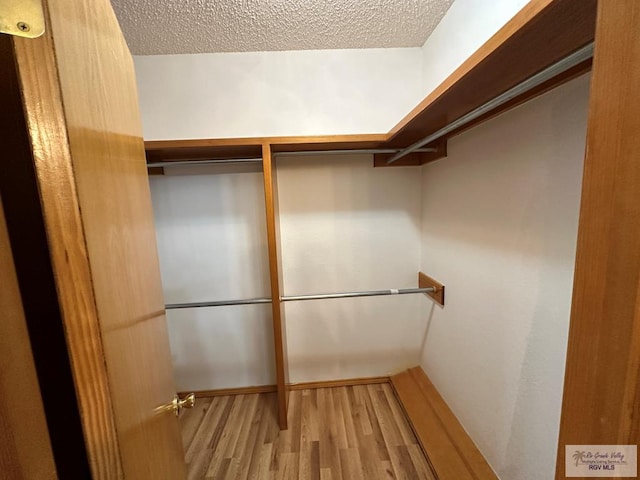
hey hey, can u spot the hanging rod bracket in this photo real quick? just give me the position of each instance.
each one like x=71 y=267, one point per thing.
x=437 y=293
x=414 y=159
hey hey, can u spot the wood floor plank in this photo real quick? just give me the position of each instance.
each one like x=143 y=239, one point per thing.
x=265 y=461
x=402 y=463
x=229 y=436
x=400 y=419
x=206 y=428
x=189 y=426
x=197 y=468
x=351 y=464
x=388 y=426
x=338 y=422
x=329 y=452
x=350 y=428
x=266 y=433
x=288 y=466
x=246 y=429
x=245 y=455
x=338 y=433
x=378 y=436
x=358 y=404
x=420 y=462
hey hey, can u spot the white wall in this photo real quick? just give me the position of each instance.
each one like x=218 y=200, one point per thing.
x=466 y=26
x=499 y=227
x=211 y=232
x=277 y=93
x=346 y=226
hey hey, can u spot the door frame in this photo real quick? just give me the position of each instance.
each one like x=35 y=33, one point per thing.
x=601 y=397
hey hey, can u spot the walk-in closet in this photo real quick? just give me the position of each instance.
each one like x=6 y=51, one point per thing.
x=346 y=251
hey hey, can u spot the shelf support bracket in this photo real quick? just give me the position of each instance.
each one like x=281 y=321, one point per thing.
x=425 y=281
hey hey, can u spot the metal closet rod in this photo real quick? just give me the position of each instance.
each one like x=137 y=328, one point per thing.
x=211 y=161
x=217 y=161
x=296 y=298
x=548 y=73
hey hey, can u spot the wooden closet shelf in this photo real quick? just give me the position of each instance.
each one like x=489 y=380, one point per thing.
x=542 y=33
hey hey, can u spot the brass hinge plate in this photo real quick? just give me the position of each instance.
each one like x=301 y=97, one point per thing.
x=22 y=18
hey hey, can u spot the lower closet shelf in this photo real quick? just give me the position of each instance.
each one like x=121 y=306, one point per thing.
x=452 y=453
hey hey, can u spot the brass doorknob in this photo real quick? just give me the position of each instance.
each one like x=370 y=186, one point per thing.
x=187 y=402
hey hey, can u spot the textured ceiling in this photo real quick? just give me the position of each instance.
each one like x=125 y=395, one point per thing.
x=154 y=27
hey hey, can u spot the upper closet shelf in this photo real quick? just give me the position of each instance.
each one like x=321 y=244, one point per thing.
x=541 y=35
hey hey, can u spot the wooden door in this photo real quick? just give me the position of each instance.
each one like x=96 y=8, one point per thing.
x=78 y=208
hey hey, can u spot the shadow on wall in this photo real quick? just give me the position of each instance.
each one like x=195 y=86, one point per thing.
x=345 y=183
x=429 y=319
x=222 y=347
x=211 y=232
x=351 y=338
x=359 y=364
x=525 y=166
x=544 y=359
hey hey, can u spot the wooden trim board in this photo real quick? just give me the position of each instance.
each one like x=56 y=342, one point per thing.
x=223 y=392
x=275 y=274
x=425 y=281
x=451 y=452
x=601 y=401
x=349 y=382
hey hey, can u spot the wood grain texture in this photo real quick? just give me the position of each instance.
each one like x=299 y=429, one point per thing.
x=89 y=155
x=357 y=432
x=451 y=452
x=45 y=120
x=425 y=281
x=275 y=278
x=97 y=82
x=225 y=392
x=542 y=33
x=601 y=403
x=347 y=382
x=25 y=446
x=168 y=150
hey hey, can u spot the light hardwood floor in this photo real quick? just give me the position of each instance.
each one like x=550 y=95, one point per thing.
x=336 y=433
